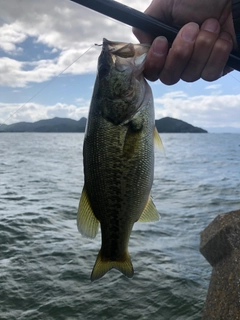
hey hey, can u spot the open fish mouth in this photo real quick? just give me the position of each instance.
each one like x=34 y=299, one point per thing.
x=123 y=54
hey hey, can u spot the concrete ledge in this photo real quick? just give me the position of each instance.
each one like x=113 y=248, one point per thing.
x=220 y=245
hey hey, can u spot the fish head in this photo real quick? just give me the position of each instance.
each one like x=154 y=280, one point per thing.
x=121 y=85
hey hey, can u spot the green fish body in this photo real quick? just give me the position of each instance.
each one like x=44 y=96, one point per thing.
x=118 y=155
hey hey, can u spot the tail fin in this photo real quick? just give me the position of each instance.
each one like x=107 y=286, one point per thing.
x=102 y=266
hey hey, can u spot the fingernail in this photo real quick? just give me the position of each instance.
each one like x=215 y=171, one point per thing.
x=160 y=46
x=190 y=32
x=211 y=25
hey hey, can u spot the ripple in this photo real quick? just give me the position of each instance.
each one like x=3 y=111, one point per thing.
x=46 y=264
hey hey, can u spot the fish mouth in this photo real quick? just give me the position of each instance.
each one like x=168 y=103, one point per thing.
x=125 y=49
x=120 y=49
x=134 y=54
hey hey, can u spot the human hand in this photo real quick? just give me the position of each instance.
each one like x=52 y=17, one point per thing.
x=197 y=52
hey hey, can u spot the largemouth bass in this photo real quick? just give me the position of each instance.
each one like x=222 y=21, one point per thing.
x=118 y=155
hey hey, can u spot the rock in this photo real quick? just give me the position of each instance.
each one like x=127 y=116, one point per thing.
x=220 y=245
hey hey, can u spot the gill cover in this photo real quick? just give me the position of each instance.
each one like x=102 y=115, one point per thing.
x=120 y=80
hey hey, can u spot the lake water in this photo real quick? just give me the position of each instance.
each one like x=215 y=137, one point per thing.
x=45 y=264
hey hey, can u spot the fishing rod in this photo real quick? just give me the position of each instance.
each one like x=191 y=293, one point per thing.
x=141 y=21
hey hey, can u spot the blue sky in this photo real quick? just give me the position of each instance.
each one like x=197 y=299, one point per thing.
x=39 y=39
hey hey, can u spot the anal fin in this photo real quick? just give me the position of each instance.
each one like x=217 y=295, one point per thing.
x=149 y=213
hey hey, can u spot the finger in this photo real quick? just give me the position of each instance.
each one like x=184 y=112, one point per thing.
x=227 y=70
x=156 y=11
x=204 y=44
x=142 y=37
x=216 y=64
x=179 y=54
x=156 y=58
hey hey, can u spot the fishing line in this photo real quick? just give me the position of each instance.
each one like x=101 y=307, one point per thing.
x=234 y=77
x=48 y=84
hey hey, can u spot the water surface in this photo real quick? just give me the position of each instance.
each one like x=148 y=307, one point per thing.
x=45 y=264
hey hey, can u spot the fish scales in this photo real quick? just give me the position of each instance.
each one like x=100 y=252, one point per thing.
x=118 y=156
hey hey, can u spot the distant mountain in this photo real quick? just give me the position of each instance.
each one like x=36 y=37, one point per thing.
x=2 y=127
x=49 y=125
x=168 y=125
x=68 y=125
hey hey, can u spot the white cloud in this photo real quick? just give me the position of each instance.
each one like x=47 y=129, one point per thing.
x=215 y=89
x=14 y=73
x=201 y=110
x=175 y=95
x=31 y=112
x=63 y=27
x=65 y=30
x=62 y=23
x=213 y=86
x=10 y=36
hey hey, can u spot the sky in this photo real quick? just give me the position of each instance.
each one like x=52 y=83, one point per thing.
x=48 y=61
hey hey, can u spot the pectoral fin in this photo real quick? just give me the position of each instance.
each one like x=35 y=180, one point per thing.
x=86 y=221
x=149 y=213
x=158 y=141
